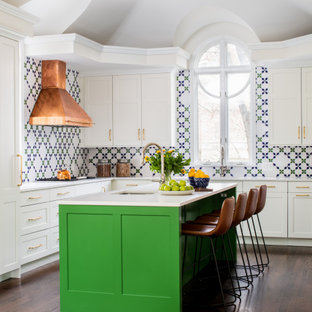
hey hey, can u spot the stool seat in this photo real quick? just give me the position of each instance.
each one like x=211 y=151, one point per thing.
x=197 y=229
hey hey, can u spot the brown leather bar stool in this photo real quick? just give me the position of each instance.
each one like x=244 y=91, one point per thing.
x=260 y=206
x=239 y=214
x=213 y=231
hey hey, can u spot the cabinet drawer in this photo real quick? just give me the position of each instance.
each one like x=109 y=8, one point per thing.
x=34 y=246
x=35 y=197
x=62 y=192
x=300 y=187
x=125 y=184
x=34 y=218
x=273 y=186
x=54 y=239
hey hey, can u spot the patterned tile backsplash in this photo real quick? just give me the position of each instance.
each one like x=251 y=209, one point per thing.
x=48 y=149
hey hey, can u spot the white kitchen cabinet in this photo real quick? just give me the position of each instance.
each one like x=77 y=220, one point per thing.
x=290 y=106
x=300 y=210
x=98 y=103
x=9 y=100
x=274 y=215
x=130 y=110
x=157 y=109
x=127 y=110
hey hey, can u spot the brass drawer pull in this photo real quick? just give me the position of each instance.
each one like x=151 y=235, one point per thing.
x=143 y=134
x=62 y=194
x=35 y=219
x=110 y=134
x=268 y=186
x=304 y=134
x=298 y=132
x=132 y=184
x=303 y=187
x=139 y=134
x=104 y=189
x=34 y=247
x=34 y=197
x=303 y=195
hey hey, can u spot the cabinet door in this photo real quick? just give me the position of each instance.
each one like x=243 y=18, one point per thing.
x=99 y=105
x=307 y=106
x=9 y=230
x=273 y=217
x=285 y=106
x=300 y=215
x=127 y=110
x=157 y=109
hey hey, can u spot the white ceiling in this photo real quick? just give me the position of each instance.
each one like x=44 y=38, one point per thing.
x=156 y=23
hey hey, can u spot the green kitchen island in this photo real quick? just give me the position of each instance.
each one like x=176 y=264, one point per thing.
x=122 y=252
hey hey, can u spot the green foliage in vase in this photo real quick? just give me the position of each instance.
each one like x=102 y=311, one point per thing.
x=174 y=162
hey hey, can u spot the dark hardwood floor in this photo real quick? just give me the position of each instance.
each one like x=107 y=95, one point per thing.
x=286 y=286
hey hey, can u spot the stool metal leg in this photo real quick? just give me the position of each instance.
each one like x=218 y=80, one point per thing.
x=264 y=245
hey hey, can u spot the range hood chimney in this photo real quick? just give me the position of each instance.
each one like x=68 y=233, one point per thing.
x=55 y=106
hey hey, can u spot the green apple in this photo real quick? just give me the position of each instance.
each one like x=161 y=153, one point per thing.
x=189 y=188
x=172 y=182
x=182 y=183
x=162 y=187
x=175 y=188
x=167 y=188
x=182 y=188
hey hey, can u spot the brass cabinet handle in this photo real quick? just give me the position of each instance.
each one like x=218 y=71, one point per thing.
x=104 y=189
x=34 y=247
x=34 y=197
x=303 y=195
x=110 y=134
x=35 y=219
x=303 y=187
x=21 y=172
x=299 y=132
x=132 y=184
x=268 y=186
x=304 y=135
x=139 y=134
x=62 y=194
x=143 y=134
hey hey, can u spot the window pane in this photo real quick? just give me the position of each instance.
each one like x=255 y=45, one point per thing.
x=211 y=58
x=236 y=82
x=239 y=139
x=211 y=83
x=208 y=127
x=236 y=56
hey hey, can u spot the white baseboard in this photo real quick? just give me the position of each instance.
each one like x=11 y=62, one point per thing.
x=13 y=274
x=282 y=241
x=38 y=263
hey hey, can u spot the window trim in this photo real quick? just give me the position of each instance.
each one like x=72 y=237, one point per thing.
x=194 y=71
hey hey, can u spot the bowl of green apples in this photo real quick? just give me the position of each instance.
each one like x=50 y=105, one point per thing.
x=174 y=187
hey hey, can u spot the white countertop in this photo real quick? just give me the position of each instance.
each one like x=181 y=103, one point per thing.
x=147 y=199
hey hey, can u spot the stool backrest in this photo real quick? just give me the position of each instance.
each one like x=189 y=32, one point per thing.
x=226 y=217
x=240 y=209
x=251 y=203
x=261 y=198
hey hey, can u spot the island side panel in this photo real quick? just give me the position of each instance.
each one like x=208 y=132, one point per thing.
x=116 y=258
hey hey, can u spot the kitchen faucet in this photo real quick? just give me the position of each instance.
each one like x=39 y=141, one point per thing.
x=222 y=167
x=162 y=160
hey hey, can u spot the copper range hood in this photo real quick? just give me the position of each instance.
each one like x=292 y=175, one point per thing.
x=55 y=106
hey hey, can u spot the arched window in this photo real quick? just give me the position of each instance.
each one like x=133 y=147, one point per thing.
x=223 y=113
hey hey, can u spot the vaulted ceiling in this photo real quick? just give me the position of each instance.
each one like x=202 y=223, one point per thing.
x=157 y=23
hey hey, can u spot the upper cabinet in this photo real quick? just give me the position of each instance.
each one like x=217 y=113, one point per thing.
x=290 y=106
x=98 y=102
x=138 y=109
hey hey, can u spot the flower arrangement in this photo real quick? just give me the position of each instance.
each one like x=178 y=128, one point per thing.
x=174 y=163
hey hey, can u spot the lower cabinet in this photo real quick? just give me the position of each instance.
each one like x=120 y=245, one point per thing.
x=300 y=215
x=39 y=218
x=274 y=215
